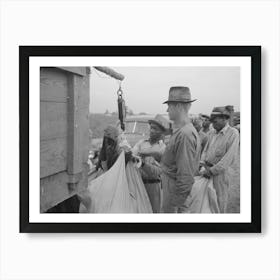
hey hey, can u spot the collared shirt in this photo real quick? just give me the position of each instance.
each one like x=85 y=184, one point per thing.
x=146 y=146
x=221 y=149
x=180 y=160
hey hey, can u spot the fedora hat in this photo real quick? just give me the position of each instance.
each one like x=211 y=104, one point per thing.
x=219 y=112
x=162 y=122
x=179 y=94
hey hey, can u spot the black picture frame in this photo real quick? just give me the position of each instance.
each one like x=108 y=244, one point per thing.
x=254 y=52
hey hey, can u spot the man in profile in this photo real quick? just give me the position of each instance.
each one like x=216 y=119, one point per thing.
x=180 y=160
x=220 y=153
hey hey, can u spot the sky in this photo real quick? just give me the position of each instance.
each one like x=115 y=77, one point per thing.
x=146 y=88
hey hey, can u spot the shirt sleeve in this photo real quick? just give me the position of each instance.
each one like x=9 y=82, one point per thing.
x=229 y=156
x=186 y=159
x=152 y=170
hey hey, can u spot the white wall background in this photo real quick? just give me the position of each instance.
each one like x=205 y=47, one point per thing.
x=139 y=256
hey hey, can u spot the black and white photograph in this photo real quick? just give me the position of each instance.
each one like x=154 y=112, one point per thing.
x=168 y=135
x=148 y=143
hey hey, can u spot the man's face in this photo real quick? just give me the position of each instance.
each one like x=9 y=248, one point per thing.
x=219 y=122
x=172 y=111
x=197 y=125
x=155 y=131
x=206 y=124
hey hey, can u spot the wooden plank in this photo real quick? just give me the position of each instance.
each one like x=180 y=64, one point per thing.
x=84 y=94
x=54 y=189
x=85 y=139
x=74 y=164
x=53 y=120
x=53 y=84
x=83 y=117
x=78 y=123
x=81 y=71
x=53 y=156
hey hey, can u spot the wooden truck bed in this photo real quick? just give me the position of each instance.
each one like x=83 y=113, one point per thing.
x=64 y=133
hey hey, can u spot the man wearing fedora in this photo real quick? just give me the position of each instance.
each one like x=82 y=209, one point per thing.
x=180 y=160
x=151 y=151
x=220 y=153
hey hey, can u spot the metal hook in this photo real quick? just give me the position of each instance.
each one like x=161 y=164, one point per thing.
x=120 y=92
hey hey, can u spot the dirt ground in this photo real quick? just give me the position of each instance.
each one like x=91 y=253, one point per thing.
x=234 y=190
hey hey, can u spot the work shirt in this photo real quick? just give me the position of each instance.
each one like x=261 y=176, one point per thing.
x=180 y=160
x=221 y=149
x=146 y=146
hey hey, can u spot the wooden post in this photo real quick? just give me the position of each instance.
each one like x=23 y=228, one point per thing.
x=74 y=156
x=112 y=73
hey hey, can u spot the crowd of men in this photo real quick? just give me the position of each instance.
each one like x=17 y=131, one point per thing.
x=205 y=146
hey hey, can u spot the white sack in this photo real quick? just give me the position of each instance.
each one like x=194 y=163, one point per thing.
x=118 y=190
x=203 y=198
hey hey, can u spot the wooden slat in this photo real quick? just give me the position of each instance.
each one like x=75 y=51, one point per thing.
x=54 y=189
x=53 y=156
x=85 y=139
x=81 y=71
x=73 y=155
x=77 y=123
x=53 y=84
x=83 y=116
x=84 y=108
x=53 y=120
x=84 y=94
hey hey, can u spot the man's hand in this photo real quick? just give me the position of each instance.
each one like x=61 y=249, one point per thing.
x=128 y=156
x=205 y=172
x=156 y=155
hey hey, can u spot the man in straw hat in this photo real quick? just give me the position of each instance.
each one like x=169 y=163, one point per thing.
x=220 y=153
x=151 y=151
x=180 y=160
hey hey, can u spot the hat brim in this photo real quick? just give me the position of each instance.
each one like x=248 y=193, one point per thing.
x=158 y=124
x=179 y=101
x=212 y=117
x=205 y=116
